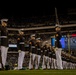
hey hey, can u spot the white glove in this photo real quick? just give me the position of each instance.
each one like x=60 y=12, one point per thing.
x=56 y=49
x=19 y=51
x=30 y=53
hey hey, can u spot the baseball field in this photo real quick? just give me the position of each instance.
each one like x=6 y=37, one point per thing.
x=38 y=72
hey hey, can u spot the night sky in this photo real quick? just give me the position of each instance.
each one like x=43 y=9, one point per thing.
x=29 y=8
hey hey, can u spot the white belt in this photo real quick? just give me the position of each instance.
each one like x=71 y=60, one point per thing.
x=38 y=48
x=27 y=45
x=49 y=52
x=21 y=43
x=58 y=40
x=32 y=46
x=45 y=50
x=3 y=36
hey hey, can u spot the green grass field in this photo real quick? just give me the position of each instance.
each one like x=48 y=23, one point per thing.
x=38 y=72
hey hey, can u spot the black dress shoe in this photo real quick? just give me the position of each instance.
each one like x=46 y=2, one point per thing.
x=31 y=69
x=2 y=69
x=22 y=69
x=44 y=69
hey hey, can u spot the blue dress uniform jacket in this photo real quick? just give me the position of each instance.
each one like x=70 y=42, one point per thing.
x=21 y=43
x=4 y=36
x=32 y=44
x=38 y=48
x=58 y=38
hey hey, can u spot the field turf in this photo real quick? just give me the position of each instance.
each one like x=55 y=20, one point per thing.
x=38 y=72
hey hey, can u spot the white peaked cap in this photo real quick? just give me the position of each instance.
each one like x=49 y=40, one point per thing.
x=20 y=31
x=4 y=20
x=32 y=35
x=57 y=25
x=38 y=38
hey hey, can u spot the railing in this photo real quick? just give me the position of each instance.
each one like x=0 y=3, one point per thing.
x=39 y=28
